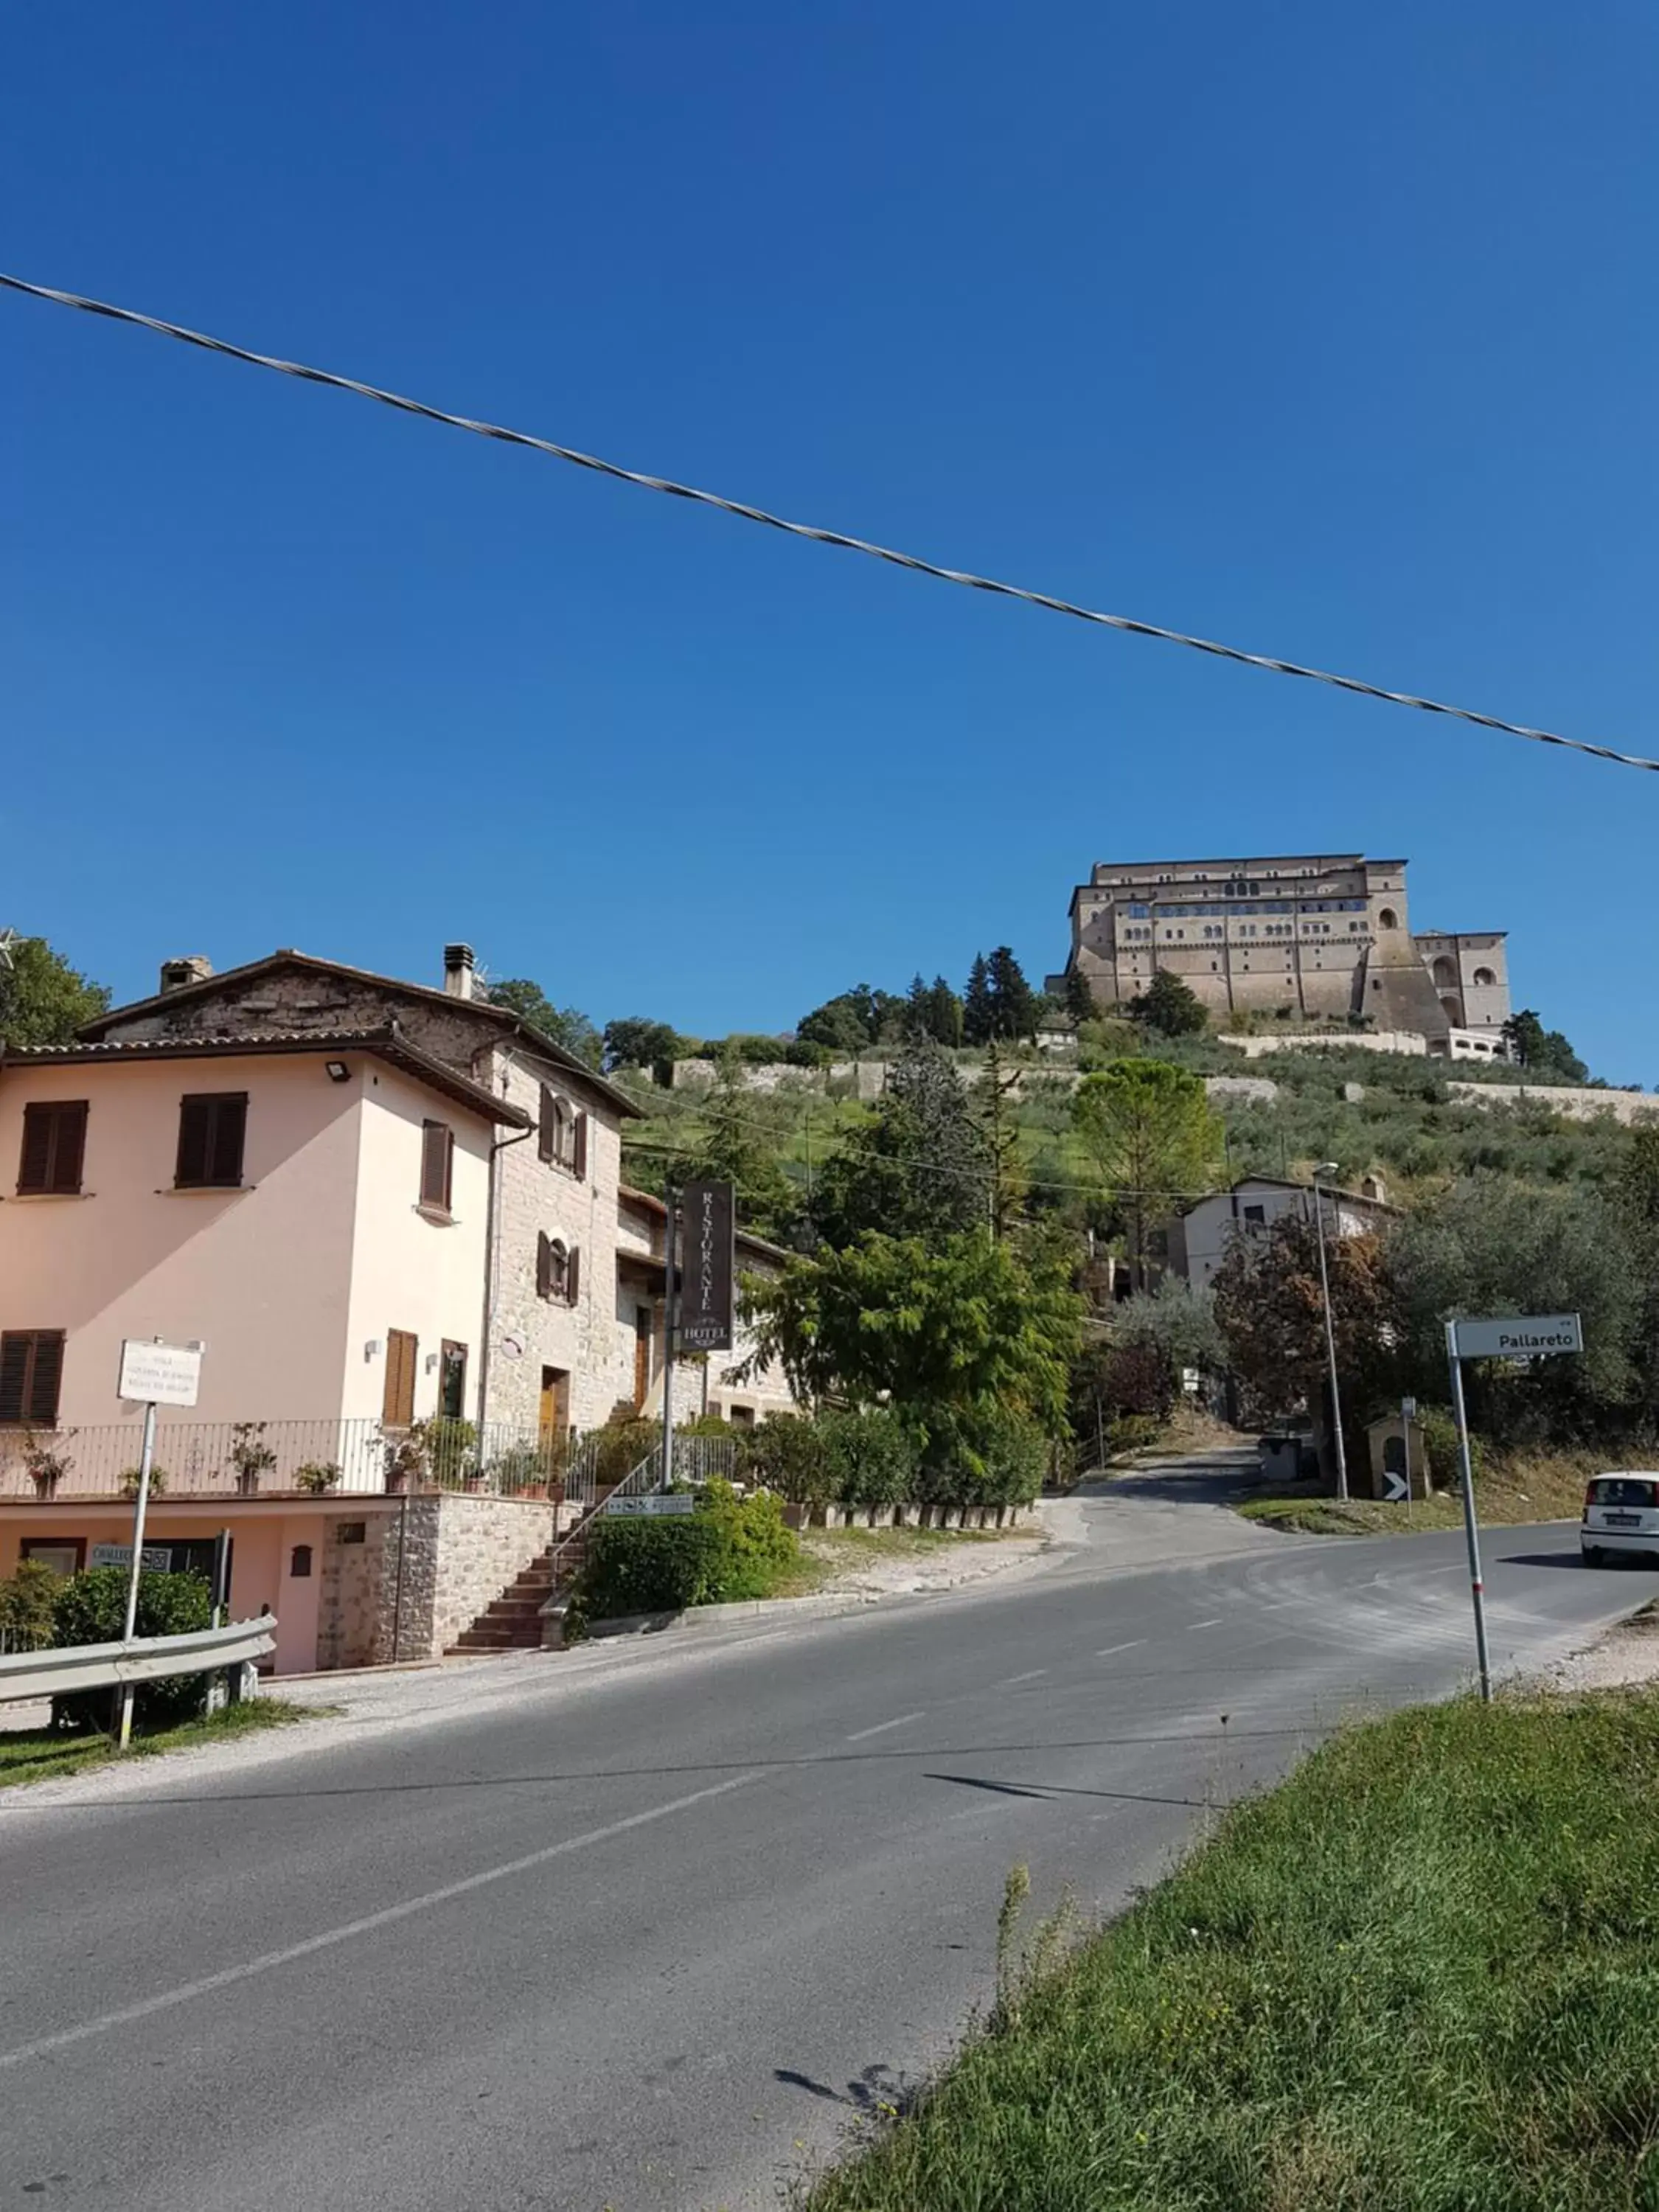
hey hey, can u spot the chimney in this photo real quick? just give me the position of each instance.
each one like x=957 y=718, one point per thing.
x=193 y=968
x=458 y=970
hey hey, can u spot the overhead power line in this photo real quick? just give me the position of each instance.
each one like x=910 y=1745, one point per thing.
x=747 y=513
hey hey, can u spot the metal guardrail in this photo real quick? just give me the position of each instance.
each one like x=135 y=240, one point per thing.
x=61 y=1669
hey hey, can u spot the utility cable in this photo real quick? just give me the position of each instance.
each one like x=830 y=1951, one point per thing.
x=747 y=513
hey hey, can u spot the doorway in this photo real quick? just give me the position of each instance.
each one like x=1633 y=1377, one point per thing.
x=554 y=1420
x=642 y=1334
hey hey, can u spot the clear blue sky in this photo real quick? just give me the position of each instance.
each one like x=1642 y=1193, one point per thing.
x=1329 y=331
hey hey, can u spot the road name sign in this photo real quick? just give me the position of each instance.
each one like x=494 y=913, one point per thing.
x=651 y=1508
x=154 y=1558
x=159 y=1374
x=1536 y=1336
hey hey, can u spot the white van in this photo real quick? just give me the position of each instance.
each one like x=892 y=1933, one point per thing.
x=1621 y=1514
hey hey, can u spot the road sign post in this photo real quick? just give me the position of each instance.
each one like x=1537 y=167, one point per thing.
x=161 y=1375
x=1510 y=1337
x=1407 y=1415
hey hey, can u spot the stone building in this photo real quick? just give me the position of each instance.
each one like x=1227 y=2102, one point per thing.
x=1327 y=935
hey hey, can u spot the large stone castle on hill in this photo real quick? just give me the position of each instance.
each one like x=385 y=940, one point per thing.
x=1325 y=935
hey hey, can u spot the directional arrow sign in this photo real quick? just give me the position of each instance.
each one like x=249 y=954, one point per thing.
x=1398 y=1487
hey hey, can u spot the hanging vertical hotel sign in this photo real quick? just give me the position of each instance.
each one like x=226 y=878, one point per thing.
x=705 y=1268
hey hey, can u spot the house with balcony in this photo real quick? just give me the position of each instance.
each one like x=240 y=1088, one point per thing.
x=390 y=1215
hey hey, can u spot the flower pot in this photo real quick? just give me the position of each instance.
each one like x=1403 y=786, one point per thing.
x=533 y=1489
x=473 y=1483
x=247 y=1485
x=46 y=1486
x=397 y=1481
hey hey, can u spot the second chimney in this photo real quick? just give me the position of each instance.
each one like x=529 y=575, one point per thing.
x=458 y=970
x=193 y=968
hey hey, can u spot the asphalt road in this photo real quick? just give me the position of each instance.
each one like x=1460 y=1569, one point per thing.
x=650 y=1937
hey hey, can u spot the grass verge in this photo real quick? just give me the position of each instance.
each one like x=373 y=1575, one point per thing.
x=1517 y=1489
x=33 y=1754
x=1420 y=1976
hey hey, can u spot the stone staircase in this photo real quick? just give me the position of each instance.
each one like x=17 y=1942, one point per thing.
x=512 y=1622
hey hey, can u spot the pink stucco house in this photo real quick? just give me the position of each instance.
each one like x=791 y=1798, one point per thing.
x=376 y=1205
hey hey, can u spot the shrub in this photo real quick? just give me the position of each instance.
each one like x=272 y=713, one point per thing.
x=1439 y=1430
x=91 y=1608
x=757 y=1546
x=158 y=1480
x=28 y=1601
x=872 y=1458
x=788 y=1454
x=620 y=1446
x=728 y=1548
x=317 y=1476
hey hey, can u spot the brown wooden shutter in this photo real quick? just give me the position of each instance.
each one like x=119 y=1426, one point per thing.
x=195 y=1135
x=46 y=1381
x=212 y=1128
x=54 y=1144
x=15 y=1348
x=578 y=1154
x=545 y=1125
x=437 y=1147
x=31 y=1375
x=398 y=1401
x=229 y=1131
x=573 y=1276
x=544 y=1265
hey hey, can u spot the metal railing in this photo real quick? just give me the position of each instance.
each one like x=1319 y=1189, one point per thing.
x=326 y=1457
x=696 y=1459
x=55 y=1671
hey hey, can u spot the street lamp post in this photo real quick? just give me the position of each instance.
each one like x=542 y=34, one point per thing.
x=1328 y=1168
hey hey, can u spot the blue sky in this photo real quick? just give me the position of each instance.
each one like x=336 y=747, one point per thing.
x=1326 y=331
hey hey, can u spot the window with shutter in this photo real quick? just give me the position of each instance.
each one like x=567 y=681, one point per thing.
x=547 y=1125
x=544 y=1265
x=573 y=1277
x=54 y=1146
x=212 y=1129
x=558 y=1271
x=398 y=1401
x=437 y=1155
x=579 y=1149
x=31 y=1376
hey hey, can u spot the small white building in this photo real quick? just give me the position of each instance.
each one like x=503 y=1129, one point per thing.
x=1198 y=1239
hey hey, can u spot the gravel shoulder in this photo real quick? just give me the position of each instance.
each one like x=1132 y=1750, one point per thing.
x=1625 y=1658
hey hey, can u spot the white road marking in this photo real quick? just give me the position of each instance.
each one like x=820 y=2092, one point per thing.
x=1216 y=1623
x=227 y=1976
x=882 y=1726
x=1133 y=1645
x=1029 y=1675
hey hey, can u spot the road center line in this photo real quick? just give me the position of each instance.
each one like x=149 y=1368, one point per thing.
x=1216 y=1623
x=1133 y=1644
x=1009 y=1680
x=882 y=1726
x=227 y=1976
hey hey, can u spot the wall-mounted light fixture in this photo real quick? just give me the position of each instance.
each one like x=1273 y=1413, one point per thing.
x=371 y=1349
x=432 y=1363
x=337 y=1071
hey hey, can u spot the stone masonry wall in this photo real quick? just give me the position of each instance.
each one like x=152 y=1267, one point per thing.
x=348 y=1609
x=483 y=1544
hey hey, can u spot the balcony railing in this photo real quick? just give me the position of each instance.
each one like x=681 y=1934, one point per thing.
x=319 y=1458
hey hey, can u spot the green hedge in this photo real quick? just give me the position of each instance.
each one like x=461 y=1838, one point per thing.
x=727 y=1549
x=91 y=1608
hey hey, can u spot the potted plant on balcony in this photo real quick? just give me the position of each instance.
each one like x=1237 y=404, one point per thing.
x=251 y=1455
x=316 y=1477
x=158 y=1481
x=46 y=1461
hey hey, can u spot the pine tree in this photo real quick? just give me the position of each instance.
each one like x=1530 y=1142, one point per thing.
x=1169 y=1006
x=917 y=1020
x=978 y=1007
x=945 y=1014
x=1013 y=1002
x=1078 y=998
x=916 y=1165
